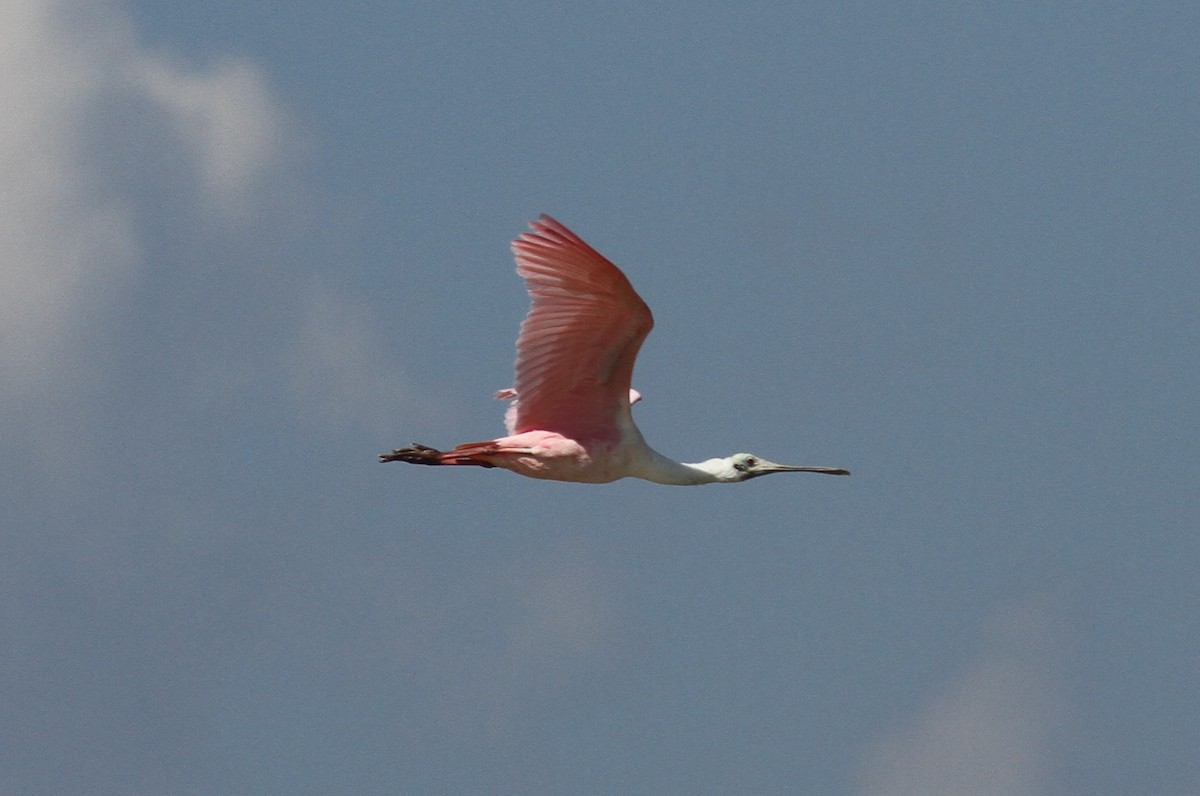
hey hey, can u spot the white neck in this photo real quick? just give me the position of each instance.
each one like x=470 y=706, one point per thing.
x=661 y=470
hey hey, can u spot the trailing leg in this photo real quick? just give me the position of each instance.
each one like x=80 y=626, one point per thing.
x=423 y=454
x=417 y=454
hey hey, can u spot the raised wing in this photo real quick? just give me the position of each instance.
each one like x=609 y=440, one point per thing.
x=578 y=343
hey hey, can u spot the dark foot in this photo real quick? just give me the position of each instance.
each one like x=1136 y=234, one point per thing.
x=417 y=454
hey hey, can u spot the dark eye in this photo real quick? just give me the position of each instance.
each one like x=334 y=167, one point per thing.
x=751 y=461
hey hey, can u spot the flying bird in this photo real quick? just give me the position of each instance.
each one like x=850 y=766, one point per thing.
x=570 y=416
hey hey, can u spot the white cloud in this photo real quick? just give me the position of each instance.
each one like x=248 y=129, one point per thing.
x=61 y=237
x=990 y=732
x=68 y=242
x=228 y=120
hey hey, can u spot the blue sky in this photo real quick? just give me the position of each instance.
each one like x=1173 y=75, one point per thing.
x=248 y=246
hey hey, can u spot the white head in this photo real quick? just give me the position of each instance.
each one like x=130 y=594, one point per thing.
x=744 y=466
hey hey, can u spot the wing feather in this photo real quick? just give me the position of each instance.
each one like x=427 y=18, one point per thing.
x=577 y=346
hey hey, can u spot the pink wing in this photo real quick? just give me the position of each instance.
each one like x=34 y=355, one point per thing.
x=577 y=345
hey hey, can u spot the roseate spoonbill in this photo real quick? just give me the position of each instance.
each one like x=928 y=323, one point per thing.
x=570 y=419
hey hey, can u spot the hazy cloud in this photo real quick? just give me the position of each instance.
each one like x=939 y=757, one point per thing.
x=547 y=621
x=63 y=238
x=990 y=731
x=339 y=366
x=68 y=230
x=228 y=120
